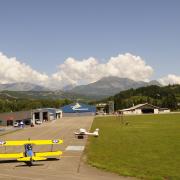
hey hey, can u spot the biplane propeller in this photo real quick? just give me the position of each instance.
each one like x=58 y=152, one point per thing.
x=28 y=156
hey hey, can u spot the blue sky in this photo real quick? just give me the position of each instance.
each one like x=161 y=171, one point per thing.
x=43 y=33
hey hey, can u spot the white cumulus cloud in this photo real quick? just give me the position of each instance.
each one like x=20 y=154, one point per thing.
x=74 y=71
x=89 y=70
x=170 y=79
x=11 y=70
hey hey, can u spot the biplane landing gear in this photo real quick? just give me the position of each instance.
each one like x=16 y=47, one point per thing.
x=29 y=152
x=29 y=163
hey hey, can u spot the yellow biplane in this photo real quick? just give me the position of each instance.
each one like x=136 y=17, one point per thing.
x=28 y=156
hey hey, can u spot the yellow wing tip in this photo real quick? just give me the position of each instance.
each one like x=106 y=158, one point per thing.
x=36 y=142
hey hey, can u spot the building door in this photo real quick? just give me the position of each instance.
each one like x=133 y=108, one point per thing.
x=45 y=116
x=148 y=111
x=9 y=122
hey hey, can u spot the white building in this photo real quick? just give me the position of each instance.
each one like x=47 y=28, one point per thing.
x=164 y=110
x=144 y=109
x=46 y=114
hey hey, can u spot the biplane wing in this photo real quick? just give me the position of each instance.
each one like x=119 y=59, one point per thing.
x=33 y=158
x=29 y=156
x=48 y=154
x=40 y=156
x=34 y=142
x=11 y=156
x=21 y=157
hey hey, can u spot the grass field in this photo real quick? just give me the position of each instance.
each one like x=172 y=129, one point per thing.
x=148 y=147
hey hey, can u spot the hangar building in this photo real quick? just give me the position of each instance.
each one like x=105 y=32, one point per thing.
x=78 y=109
x=7 y=119
x=28 y=117
x=144 y=109
x=46 y=114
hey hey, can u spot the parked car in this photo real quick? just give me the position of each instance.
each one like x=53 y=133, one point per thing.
x=21 y=124
x=37 y=121
x=101 y=113
x=16 y=124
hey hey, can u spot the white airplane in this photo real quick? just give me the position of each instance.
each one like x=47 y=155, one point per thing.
x=82 y=132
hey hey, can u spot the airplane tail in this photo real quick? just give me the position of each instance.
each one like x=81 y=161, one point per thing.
x=96 y=132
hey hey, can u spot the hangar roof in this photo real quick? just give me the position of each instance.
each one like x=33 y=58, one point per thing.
x=20 y=115
x=140 y=106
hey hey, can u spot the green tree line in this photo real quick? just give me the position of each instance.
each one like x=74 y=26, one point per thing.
x=164 y=97
x=7 y=105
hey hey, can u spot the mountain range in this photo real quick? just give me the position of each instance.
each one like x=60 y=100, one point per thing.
x=109 y=86
x=22 y=86
x=104 y=87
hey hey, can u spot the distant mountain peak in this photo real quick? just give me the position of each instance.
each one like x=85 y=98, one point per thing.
x=110 y=85
x=68 y=87
x=155 y=82
x=109 y=78
x=22 y=86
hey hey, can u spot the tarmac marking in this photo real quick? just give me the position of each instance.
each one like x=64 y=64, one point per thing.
x=75 y=148
x=70 y=156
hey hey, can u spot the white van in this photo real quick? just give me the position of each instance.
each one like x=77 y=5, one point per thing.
x=16 y=124
x=38 y=122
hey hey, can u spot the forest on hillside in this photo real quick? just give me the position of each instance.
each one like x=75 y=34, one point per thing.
x=12 y=105
x=164 y=97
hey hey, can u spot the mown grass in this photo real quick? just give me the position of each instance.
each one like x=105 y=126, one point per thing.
x=148 y=147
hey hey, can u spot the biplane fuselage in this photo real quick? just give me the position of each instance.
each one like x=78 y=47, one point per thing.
x=28 y=156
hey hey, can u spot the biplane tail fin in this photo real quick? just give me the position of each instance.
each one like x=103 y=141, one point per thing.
x=96 y=132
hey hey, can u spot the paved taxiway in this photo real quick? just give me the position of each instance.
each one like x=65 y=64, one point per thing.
x=70 y=166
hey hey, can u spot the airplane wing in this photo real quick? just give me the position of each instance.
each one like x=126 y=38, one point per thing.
x=35 y=142
x=11 y=156
x=40 y=156
x=33 y=158
x=78 y=133
x=48 y=154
